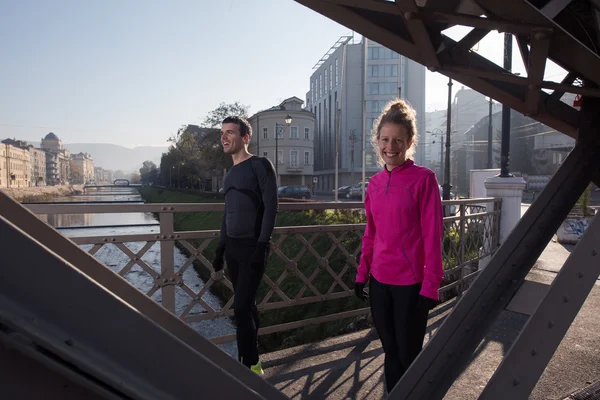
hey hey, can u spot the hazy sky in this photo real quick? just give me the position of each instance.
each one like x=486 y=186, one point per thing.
x=131 y=72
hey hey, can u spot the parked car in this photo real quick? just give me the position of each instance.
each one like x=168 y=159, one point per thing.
x=355 y=190
x=342 y=191
x=295 y=192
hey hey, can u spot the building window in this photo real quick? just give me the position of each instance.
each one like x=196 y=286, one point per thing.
x=337 y=75
x=279 y=129
x=265 y=154
x=265 y=133
x=373 y=53
x=330 y=76
x=293 y=132
x=306 y=158
x=294 y=158
x=320 y=85
x=307 y=133
x=279 y=157
x=325 y=81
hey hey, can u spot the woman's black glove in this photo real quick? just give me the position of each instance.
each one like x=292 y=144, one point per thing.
x=359 y=290
x=425 y=303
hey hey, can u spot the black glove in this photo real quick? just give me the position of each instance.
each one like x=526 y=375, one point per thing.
x=259 y=257
x=426 y=303
x=218 y=261
x=359 y=290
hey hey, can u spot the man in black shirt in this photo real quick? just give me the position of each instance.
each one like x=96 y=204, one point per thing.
x=250 y=190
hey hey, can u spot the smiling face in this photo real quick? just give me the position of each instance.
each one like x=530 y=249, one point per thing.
x=393 y=143
x=231 y=138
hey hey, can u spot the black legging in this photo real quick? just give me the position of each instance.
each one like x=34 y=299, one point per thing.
x=245 y=278
x=400 y=326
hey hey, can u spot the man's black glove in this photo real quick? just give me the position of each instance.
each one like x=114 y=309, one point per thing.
x=259 y=257
x=359 y=290
x=426 y=303
x=218 y=261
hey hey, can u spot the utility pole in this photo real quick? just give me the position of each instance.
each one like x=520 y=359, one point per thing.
x=353 y=139
x=489 y=149
x=446 y=187
x=505 y=146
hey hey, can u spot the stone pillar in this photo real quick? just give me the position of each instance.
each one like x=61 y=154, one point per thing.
x=510 y=190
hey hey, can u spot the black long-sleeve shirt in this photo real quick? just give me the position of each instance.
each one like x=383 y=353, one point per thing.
x=251 y=205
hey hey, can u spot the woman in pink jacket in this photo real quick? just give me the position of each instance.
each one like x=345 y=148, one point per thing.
x=402 y=244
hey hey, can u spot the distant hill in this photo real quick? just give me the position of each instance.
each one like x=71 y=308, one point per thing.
x=115 y=157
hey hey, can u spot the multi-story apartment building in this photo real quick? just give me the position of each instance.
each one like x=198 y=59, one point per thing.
x=348 y=89
x=38 y=166
x=16 y=169
x=82 y=168
x=58 y=168
x=289 y=147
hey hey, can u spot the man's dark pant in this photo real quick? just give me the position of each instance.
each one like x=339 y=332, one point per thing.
x=401 y=327
x=246 y=278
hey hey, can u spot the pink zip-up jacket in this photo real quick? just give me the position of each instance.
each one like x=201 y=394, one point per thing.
x=402 y=244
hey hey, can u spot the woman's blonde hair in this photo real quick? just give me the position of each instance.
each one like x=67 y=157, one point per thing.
x=400 y=112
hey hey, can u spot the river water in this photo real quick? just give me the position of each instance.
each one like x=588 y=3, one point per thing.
x=81 y=225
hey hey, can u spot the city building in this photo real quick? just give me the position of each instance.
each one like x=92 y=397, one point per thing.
x=349 y=87
x=468 y=107
x=16 y=169
x=289 y=147
x=58 y=159
x=82 y=168
x=38 y=166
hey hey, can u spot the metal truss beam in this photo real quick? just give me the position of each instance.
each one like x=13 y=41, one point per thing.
x=418 y=31
x=448 y=353
x=89 y=265
x=540 y=43
x=385 y=23
x=54 y=314
x=565 y=49
x=527 y=358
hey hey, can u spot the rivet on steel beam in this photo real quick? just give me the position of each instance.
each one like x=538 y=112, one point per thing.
x=516 y=381
x=172 y=208
x=136 y=258
x=533 y=352
x=164 y=208
x=594 y=253
x=550 y=324
x=409 y=16
x=172 y=236
x=165 y=237
x=580 y=275
x=157 y=236
x=105 y=240
x=165 y=280
x=113 y=239
x=566 y=298
x=69 y=342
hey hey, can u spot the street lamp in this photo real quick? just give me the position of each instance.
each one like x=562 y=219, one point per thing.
x=288 y=122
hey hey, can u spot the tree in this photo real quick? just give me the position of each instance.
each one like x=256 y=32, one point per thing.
x=149 y=173
x=216 y=116
x=76 y=173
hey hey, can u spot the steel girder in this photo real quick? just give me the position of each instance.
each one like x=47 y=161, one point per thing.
x=415 y=31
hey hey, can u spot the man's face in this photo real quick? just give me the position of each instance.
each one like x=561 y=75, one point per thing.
x=231 y=138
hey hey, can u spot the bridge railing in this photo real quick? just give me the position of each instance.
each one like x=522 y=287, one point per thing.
x=308 y=264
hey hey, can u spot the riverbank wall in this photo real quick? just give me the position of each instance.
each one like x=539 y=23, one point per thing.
x=42 y=193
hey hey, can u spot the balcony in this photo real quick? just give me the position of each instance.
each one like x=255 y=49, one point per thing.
x=295 y=167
